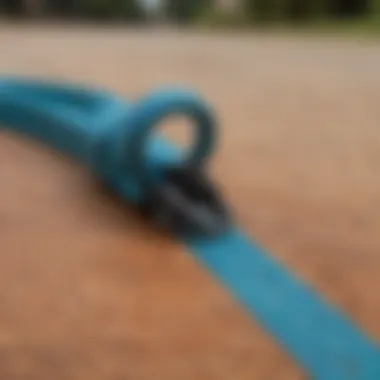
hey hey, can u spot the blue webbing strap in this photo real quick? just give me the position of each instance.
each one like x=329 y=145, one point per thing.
x=322 y=340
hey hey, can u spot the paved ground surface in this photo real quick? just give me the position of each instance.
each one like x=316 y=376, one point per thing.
x=87 y=291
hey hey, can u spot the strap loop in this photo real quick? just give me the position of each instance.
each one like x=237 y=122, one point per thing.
x=149 y=112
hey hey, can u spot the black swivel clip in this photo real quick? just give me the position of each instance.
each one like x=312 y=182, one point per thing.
x=187 y=203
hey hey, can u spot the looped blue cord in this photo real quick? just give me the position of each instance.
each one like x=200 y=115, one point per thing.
x=146 y=116
x=102 y=131
x=127 y=158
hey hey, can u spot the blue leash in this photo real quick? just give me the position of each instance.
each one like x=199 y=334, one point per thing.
x=322 y=340
x=108 y=134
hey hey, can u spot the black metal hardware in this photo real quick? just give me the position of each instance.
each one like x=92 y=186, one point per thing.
x=186 y=202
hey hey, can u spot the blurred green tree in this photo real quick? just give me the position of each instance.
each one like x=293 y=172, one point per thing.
x=350 y=8
x=185 y=11
x=266 y=11
x=260 y=10
x=11 y=7
x=301 y=10
x=109 y=9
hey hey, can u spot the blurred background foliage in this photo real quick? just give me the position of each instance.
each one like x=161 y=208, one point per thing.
x=187 y=12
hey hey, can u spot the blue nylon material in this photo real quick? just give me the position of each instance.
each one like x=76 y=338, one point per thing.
x=92 y=127
x=315 y=334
